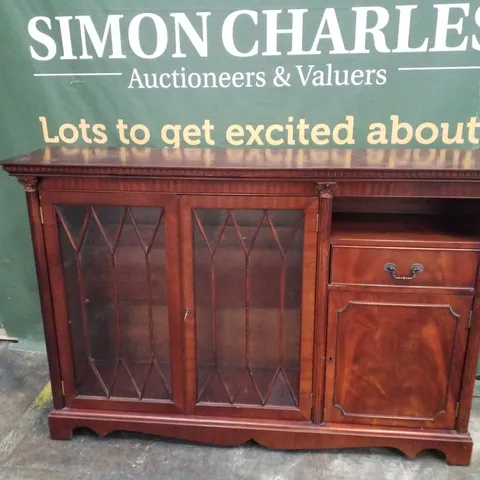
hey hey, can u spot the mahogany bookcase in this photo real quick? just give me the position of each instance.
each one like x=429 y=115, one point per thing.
x=305 y=299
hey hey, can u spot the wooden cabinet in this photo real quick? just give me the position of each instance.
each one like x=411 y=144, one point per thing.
x=218 y=299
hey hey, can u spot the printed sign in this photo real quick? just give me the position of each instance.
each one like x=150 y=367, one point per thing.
x=304 y=74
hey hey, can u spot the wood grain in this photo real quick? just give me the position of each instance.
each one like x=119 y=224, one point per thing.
x=395 y=359
x=457 y=448
x=441 y=267
x=332 y=350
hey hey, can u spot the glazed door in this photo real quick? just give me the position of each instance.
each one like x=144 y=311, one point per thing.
x=395 y=359
x=249 y=282
x=113 y=264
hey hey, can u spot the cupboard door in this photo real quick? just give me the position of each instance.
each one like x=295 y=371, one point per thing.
x=113 y=262
x=249 y=280
x=395 y=360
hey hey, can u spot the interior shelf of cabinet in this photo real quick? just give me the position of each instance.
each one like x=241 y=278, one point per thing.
x=222 y=384
x=262 y=238
x=407 y=222
x=414 y=230
x=124 y=377
x=248 y=384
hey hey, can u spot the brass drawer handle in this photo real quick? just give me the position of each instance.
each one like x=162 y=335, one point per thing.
x=416 y=268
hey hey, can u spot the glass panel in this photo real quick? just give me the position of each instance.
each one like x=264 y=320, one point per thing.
x=248 y=284
x=115 y=277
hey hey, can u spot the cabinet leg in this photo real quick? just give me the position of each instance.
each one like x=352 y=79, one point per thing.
x=59 y=429
x=458 y=455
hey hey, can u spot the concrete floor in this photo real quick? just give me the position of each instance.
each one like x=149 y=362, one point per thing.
x=26 y=451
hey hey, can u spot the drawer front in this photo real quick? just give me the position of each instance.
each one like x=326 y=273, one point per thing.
x=404 y=267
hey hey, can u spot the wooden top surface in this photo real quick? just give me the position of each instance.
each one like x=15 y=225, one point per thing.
x=324 y=163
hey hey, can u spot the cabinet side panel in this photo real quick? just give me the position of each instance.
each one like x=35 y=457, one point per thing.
x=38 y=239
x=471 y=360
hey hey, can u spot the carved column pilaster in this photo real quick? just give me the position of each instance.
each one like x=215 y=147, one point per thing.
x=326 y=190
x=30 y=184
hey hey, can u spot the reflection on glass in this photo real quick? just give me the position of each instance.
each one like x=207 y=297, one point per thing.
x=248 y=281
x=115 y=277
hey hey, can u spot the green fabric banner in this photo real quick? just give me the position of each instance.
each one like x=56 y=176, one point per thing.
x=270 y=74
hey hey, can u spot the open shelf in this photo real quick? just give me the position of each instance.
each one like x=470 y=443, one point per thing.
x=403 y=230
x=407 y=223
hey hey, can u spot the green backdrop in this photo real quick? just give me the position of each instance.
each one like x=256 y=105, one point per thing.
x=441 y=95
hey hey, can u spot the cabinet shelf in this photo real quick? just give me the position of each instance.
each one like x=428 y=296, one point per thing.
x=238 y=385
x=404 y=230
x=135 y=379
x=265 y=239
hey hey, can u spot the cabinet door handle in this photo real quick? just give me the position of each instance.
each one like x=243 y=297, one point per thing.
x=187 y=313
x=416 y=268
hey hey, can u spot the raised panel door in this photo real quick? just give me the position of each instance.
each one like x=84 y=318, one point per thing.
x=395 y=360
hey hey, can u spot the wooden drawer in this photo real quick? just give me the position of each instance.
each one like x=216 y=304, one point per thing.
x=367 y=266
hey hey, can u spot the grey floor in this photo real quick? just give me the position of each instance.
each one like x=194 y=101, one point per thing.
x=26 y=451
